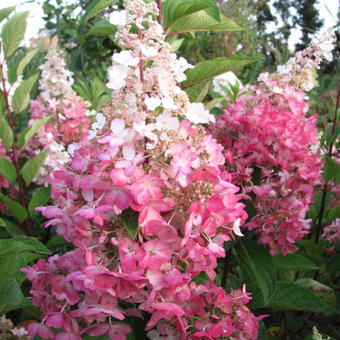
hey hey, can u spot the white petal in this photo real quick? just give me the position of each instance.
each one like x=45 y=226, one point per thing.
x=118 y=18
x=125 y=58
x=152 y=103
x=236 y=227
x=117 y=126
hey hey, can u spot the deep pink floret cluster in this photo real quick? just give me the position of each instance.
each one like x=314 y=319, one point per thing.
x=271 y=146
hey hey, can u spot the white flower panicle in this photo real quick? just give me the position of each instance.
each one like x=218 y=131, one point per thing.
x=144 y=76
x=56 y=80
x=299 y=71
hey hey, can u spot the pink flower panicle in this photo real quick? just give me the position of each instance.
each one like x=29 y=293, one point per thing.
x=267 y=134
x=142 y=163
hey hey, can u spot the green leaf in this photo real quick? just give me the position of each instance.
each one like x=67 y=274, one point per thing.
x=11 y=228
x=13 y=32
x=56 y=242
x=17 y=210
x=290 y=296
x=257 y=268
x=95 y=7
x=40 y=198
x=6 y=134
x=21 y=97
x=130 y=222
x=2 y=102
x=201 y=21
x=313 y=285
x=198 y=92
x=7 y=169
x=331 y=170
x=294 y=262
x=175 y=9
x=28 y=133
x=11 y=296
x=16 y=253
x=319 y=200
x=13 y=247
x=102 y=27
x=33 y=242
x=263 y=332
x=333 y=214
x=214 y=102
x=5 y=12
x=211 y=68
x=175 y=44
x=26 y=60
x=32 y=167
x=12 y=73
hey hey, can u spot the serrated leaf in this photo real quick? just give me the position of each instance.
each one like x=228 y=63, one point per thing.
x=13 y=246
x=331 y=170
x=174 y=9
x=11 y=296
x=16 y=253
x=29 y=132
x=32 y=167
x=33 y=242
x=26 y=60
x=13 y=32
x=40 y=198
x=21 y=97
x=95 y=7
x=290 y=296
x=257 y=268
x=11 y=228
x=198 y=92
x=6 y=134
x=201 y=21
x=17 y=210
x=130 y=222
x=7 y=169
x=5 y=12
x=102 y=27
x=294 y=262
x=208 y=69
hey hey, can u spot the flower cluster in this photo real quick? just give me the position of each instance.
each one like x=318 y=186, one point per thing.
x=148 y=204
x=9 y=332
x=332 y=232
x=272 y=148
x=68 y=113
x=299 y=72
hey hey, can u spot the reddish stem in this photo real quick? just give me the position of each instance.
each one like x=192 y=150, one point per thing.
x=13 y=154
x=141 y=62
x=159 y=17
